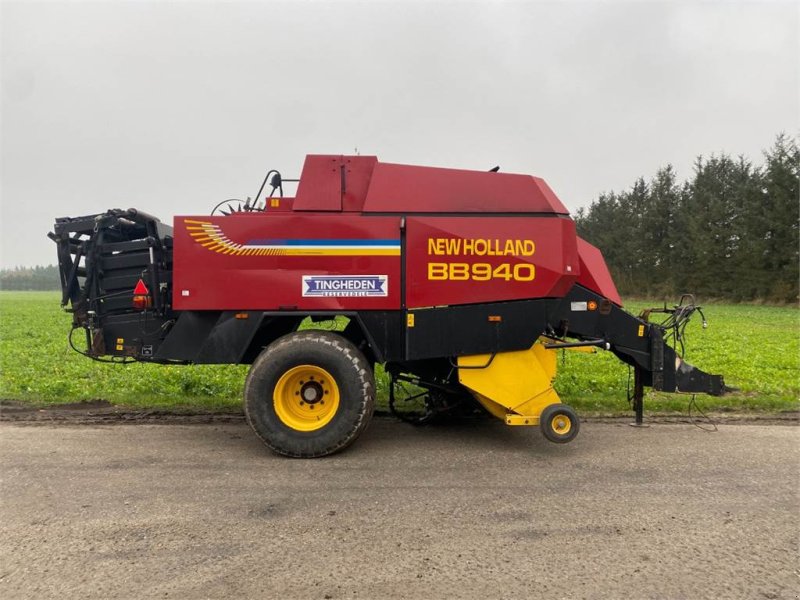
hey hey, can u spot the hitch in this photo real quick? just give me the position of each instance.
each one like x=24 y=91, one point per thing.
x=669 y=372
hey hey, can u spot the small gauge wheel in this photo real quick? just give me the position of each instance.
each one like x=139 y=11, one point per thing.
x=559 y=423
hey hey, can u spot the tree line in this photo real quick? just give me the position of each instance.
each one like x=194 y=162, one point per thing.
x=729 y=232
x=30 y=278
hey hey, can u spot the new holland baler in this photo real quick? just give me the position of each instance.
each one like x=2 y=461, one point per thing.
x=462 y=283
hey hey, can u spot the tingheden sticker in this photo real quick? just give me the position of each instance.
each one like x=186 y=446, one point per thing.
x=345 y=285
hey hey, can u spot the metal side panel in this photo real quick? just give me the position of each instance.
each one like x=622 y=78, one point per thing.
x=230 y=338
x=476 y=329
x=187 y=335
x=385 y=332
x=297 y=262
x=215 y=337
x=594 y=272
x=473 y=260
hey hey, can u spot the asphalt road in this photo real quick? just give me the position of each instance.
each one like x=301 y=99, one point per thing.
x=466 y=511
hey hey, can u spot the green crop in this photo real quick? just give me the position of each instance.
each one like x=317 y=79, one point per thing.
x=756 y=348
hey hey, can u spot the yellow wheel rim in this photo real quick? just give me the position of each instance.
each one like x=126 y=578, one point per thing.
x=561 y=424
x=306 y=398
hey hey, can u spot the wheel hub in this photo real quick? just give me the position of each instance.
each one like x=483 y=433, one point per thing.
x=306 y=398
x=561 y=424
x=311 y=392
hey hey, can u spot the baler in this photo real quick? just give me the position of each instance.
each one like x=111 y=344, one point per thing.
x=462 y=284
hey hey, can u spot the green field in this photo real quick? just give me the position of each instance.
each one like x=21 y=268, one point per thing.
x=756 y=348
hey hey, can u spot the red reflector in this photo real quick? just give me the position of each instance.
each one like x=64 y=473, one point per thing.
x=140 y=289
x=141 y=296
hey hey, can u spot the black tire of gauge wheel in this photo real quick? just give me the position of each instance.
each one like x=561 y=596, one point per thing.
x=559 y=423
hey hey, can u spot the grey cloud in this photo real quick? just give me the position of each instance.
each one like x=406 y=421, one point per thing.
x=172 y=107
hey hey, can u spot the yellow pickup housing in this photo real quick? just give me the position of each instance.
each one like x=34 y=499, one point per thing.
x=513 y=386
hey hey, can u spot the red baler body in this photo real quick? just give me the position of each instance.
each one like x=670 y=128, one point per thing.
x=363 y=235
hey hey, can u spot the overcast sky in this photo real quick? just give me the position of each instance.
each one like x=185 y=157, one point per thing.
x=171 y=107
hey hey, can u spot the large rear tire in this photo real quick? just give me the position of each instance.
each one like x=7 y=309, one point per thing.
x=309 y=394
